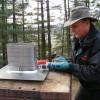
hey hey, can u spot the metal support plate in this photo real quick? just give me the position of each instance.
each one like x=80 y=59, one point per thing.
x=35 y=75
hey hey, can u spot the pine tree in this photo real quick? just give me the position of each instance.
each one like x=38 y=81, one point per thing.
x=3 y=31
x=48 y=27
x=43 y=43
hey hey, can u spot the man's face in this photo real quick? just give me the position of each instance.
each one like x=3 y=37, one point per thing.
x=80 y=28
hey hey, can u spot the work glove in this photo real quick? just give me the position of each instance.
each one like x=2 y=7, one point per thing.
x=60 y=59
x=59 y=64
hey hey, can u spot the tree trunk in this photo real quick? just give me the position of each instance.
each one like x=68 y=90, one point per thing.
x=43 y=45
x=49 y=34
x=23 y=20
x=87 y=2
x=65 y=9
x=75 y=3
x=38 y=30
x=68 y=35
x=65 y=19
x=4 y=33
x=14 y=24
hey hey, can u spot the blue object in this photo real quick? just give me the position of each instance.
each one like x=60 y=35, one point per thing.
x=59 y=64
x=60 y=59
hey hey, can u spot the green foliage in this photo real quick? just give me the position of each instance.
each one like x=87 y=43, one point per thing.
x=59 y=40
x=9 y=29
x=25 y=31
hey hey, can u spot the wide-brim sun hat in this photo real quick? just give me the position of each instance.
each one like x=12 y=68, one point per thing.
x=78 y=13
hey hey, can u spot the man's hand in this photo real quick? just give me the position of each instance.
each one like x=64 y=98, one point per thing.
x=60 y=64
x=59 y=59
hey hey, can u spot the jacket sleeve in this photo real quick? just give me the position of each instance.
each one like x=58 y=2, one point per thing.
x=89 y=72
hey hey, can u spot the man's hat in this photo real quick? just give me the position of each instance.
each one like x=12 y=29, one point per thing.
x=78 y=13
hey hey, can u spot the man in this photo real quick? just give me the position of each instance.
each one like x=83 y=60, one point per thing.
x=86 y=54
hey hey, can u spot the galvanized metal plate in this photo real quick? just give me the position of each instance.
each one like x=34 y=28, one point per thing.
x=35 y=75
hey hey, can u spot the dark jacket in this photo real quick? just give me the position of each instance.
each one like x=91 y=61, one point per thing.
x=87 y=60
